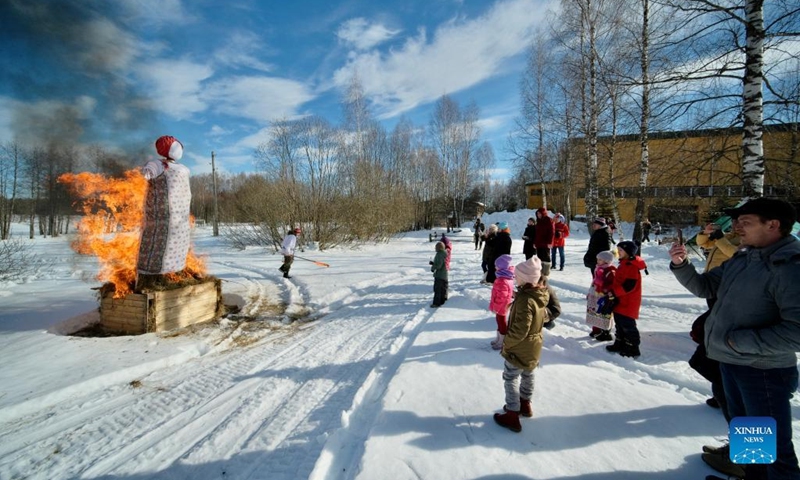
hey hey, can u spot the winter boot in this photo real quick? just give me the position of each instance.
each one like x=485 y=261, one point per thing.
x=722 y=463
x=525 y=408
x=509 y=420
x=286 y=274
x=604 y=336
x=721 y=450
x=616 y=347
x=712 y=402
x=595 y=332
x=498 y=344
x=629 y=350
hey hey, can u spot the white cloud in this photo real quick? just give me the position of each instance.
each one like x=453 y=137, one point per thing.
x=461 y=54
x=262 y=99
x=217 y=131
x=175 y=86
x=363 y=35
x=241 y=51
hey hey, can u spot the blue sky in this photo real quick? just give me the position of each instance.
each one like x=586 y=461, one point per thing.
x=215 y=73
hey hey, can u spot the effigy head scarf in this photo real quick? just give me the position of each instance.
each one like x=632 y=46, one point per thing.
x=169 y=147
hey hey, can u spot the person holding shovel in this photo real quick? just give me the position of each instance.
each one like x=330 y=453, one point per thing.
x=287 y=250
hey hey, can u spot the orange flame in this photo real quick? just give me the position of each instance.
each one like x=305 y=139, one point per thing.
x=110 y=228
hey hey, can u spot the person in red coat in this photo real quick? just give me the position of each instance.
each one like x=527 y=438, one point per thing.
x=561 y=232
x=543 y=238
x=627 y=290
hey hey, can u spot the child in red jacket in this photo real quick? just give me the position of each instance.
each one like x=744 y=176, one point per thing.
x=627 y=289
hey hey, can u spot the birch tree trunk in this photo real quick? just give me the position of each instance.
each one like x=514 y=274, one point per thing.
x=753 y=109
x=644 y=162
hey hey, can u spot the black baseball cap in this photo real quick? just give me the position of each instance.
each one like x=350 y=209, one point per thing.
x=768 y=208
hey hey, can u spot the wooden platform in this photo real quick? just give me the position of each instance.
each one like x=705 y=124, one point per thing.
x=160 y=311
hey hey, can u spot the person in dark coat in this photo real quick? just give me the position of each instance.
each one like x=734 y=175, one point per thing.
x=600 y=241
x=488 y=251
x=528 y=249
x=502 y=246
x=545 y=234
x=646 y=227
x=478 y=229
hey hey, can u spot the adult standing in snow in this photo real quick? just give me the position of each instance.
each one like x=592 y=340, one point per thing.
x=488 y=251
x=478 y=229
x=753 y=329
x=440 y=277
x=165 y=237
x=560 y=234
x=543 y=241
x=501 y=246
x=528 y=236
x=720 y=247
x=600 y=241
x=287 y=250
x=646 y=227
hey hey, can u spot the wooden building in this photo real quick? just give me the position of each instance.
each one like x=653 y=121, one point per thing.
x=692 y=174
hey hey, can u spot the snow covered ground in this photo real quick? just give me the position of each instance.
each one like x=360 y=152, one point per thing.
x=367 y=383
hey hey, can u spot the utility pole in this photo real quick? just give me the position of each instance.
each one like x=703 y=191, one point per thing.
x=214 y=182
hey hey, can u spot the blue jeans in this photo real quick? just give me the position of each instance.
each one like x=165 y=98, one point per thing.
x=560 y=251
x=754 y=392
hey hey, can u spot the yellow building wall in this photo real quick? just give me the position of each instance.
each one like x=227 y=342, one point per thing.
x=689 y=177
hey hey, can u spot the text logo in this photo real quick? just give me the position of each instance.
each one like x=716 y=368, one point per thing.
x=753 y=440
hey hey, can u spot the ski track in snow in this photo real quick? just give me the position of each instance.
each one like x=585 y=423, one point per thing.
x=270 y=397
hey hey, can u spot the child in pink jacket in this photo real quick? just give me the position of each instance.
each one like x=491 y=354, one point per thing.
x=502 y=296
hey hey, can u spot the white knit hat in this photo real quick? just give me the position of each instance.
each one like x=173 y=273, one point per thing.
x=528 y=271
x=606 y=256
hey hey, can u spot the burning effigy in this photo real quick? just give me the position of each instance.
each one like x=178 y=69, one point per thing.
x=138 y=226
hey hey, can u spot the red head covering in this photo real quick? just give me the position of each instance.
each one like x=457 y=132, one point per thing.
x=169 y=147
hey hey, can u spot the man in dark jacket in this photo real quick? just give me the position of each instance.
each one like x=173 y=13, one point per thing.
x=528 y=237
x=502 y=246
x=600 y=241
x=753 y=329
x=544 y=237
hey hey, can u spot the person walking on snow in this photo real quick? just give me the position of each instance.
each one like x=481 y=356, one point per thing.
x=287 y=250
x=502 y=295
x=522 y=345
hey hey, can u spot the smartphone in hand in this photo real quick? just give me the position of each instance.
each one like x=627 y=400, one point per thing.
x=680 y=236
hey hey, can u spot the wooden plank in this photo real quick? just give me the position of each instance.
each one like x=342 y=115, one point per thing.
x=126 y=325
x=184 y=295
x=130 y=300
x=204 y=301
x=184 y=316
x=120 y=310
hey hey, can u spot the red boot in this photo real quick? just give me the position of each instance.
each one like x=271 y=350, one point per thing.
x=509 y=420
x=525 y=408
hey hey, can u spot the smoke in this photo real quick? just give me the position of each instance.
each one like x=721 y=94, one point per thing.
x=69 y=67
